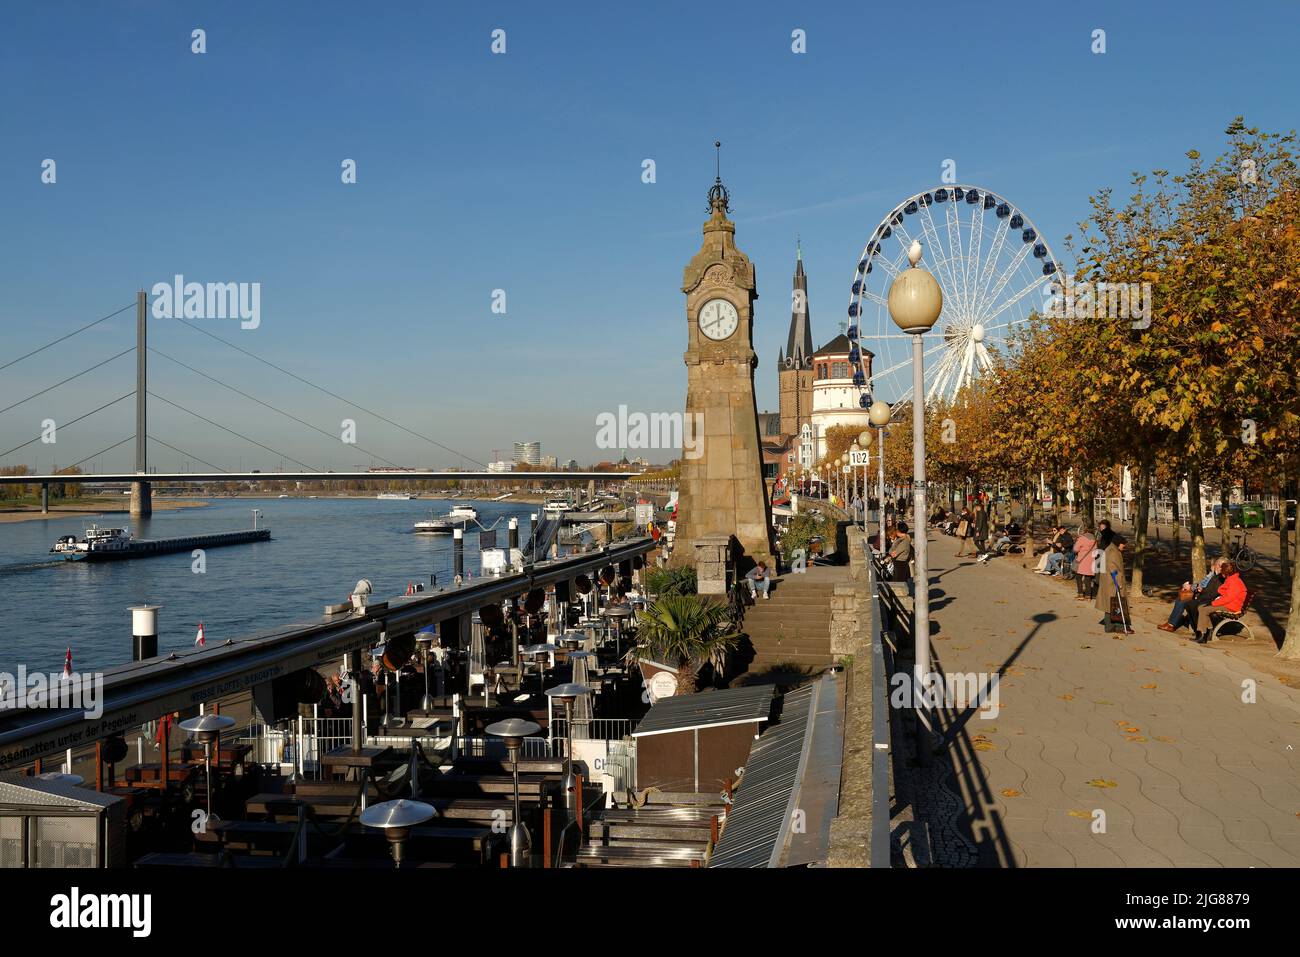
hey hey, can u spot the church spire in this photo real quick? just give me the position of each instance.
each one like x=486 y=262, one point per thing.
x=799 y=345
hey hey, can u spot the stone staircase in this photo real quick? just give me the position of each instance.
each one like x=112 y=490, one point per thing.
x=792 y=629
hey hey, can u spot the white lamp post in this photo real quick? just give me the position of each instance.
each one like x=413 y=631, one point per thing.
x=879 y=416
x=915 y=302
x=864 y=440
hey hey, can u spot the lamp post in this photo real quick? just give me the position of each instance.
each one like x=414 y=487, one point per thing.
x=864 y=440
x=879 y=417
x=915 y=302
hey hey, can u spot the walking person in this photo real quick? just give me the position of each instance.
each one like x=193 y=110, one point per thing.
x=1110 y=578
x=981 y=529
x=964 y=529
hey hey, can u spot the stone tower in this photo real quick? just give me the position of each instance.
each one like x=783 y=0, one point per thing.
x=794 y=364
x=721 y=490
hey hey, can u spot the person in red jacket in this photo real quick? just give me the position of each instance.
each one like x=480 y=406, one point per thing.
x=1231 y=598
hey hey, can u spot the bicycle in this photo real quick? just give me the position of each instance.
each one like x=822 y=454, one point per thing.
x=1242 y=555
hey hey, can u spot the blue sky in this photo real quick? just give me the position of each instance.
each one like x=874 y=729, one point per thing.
x=522 y=172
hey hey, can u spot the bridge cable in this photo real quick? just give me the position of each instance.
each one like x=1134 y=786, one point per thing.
x=70 y=422
x=191 y=455
x=335 y=395
x=101 y=452
x=68 y=336
x=289 y=415
x=67 y=380
x=236 y=434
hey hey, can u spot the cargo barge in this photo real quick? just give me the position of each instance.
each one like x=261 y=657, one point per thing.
x=118 y=544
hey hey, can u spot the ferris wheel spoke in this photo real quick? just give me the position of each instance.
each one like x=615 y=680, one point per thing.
x=1011 y=269
x=973 y=257
x=1012 y=300
x=939 y=259
x=951 y=217
x=990 y=264
x=903 y=364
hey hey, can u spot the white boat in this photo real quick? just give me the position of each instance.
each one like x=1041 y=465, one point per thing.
x=395 y=496
x=459 y=517
x=557 y=506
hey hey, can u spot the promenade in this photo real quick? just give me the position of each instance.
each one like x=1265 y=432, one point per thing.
x=1106 y=750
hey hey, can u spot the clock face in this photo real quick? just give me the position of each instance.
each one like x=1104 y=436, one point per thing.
x=718 y=319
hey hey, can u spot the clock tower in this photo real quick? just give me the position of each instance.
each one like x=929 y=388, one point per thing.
x=721 y=490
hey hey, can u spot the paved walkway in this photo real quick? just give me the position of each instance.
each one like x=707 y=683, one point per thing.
x=1154 y=731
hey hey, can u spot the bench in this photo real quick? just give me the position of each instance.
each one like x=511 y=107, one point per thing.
x=1224 y=618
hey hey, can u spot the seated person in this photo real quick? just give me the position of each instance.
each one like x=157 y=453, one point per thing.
x=1010 y=536
x=1231 y=599
x=1204 y=591
x=940 y=515
x=759 y=579
x=1058 y=551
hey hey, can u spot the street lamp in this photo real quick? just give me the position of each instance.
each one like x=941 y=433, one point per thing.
x=915 y=302
x=864 y=440
x=879 y=416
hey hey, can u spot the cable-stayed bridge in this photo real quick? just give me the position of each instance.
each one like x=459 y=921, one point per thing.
x=141 y=494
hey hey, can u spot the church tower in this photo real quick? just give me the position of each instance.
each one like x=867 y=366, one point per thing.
x=721 y=490
x=795 y=365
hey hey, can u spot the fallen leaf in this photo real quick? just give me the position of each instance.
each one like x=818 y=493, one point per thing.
x=1133 y=730
x=1067 y=697
x=1010 y=793
x=1088 y=814
x=1102 y=783
x=1148 y=687
x=1134 y=737
x=1164 y=739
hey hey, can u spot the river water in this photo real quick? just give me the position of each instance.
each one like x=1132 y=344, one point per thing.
x=319 y=549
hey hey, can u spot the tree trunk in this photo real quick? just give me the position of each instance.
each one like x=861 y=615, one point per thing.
x=686 y=678
x=1195 y=525
x=1285 y=563
x=1291 y=644
x=1225 y=518
x=1178 y=528
x=1140 y=525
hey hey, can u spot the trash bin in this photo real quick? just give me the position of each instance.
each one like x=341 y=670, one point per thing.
x=1252 y=515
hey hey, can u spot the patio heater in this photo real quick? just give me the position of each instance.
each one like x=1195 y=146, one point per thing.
x=513 y=731
x=616 y=614
x=567 y=694
x=542 y=654
x=425 y=638
x=206 y=727
x=395 y=819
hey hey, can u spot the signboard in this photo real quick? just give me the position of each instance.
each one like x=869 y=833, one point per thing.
x=846 y=469
x=645 y=513
x=859 y=458
x=662 y=685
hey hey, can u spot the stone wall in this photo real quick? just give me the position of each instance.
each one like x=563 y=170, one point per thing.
x=851 y=831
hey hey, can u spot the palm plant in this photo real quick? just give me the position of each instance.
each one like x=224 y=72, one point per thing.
x=686 y=631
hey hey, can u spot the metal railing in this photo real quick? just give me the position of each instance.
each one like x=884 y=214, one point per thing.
x=593 y=729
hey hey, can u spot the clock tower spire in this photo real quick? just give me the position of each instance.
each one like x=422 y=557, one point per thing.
x=721 y=491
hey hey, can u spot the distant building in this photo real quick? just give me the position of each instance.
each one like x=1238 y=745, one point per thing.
x=571 y=465
x=530 y=453
x=501 y=466
x=550 y=463
x=835 y=394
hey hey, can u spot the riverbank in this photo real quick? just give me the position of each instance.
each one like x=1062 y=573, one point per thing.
x=28 y=513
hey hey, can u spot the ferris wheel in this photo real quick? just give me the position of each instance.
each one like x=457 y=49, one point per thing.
x=995 y=270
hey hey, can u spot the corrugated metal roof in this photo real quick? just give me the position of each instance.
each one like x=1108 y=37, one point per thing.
x=759 y=820
x=706 y=709
x=22 y=791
